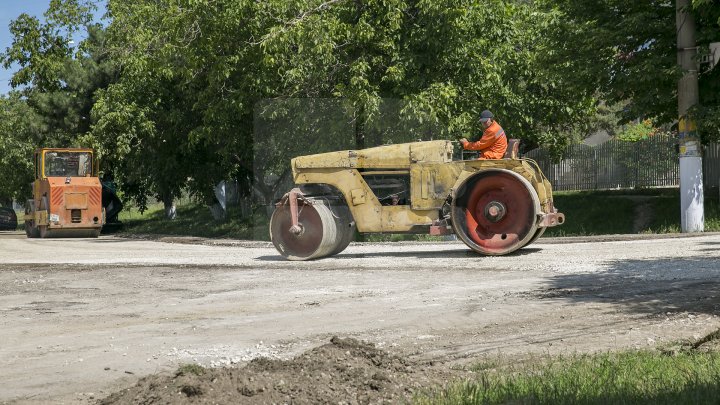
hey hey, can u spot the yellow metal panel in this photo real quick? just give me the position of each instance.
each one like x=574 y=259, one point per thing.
x=358 y=196
x=424 y=179
x=432 y=151
x=366 y=214
x=382 y=157
x=400 y=218
x=370 y=216
x=431 y=183
x=342 y=159
x=380 y=172
x=41 y=218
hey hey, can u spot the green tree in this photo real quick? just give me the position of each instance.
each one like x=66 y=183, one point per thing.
x=57 y=86
x=17 y=142
x=58 y=81
x=156 y=122
x=194 y=71
x=447 y=60
x=625 y=51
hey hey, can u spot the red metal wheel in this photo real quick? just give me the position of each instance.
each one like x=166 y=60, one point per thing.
x=495 y=212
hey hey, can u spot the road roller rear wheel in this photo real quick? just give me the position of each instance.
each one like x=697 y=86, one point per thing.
x=316 y=237
x=31 y=231
x=495 y=212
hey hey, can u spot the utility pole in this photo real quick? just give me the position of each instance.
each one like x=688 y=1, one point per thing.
x=691 y=182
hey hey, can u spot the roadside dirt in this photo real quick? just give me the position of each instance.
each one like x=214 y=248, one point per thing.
x=86 y=320
x=342 y=371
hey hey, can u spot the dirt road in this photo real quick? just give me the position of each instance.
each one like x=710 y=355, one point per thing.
x=80 y=319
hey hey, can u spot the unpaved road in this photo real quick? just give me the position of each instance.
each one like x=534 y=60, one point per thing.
x=80 y=319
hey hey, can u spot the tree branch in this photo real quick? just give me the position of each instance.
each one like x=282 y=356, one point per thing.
x=297 y=20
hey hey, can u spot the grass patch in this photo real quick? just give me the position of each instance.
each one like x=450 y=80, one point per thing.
x=637 y=377
x=593 y=213
x=193 y=220
x=615 y=212
x=667 y=214
x=190 y=369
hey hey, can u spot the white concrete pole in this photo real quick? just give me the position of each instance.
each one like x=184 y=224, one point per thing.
x=691 y=182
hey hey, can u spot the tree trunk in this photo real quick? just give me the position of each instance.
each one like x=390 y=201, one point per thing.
x=169 y=203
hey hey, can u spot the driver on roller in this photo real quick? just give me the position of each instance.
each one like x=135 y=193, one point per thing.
x=493 y=142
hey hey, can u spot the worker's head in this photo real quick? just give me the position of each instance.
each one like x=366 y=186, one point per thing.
x=486 y=118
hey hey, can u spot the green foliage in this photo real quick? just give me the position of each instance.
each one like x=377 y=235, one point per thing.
x=641 y=377
x=625 y=52
x=16 y=148
x=708 y=112
x=638 y=131
x=42 y=49
x=447 y=60
x=586 y=213
x=58 y=85
x=177 y=95
x=193 y=219
x=622 y=51
x=193 y=73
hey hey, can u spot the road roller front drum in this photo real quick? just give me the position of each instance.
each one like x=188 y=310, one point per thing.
x=306 y=228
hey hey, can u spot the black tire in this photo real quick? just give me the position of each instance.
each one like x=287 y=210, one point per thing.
x=31 y=231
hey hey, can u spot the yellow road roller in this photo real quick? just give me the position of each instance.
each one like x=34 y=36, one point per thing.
x=494 y=206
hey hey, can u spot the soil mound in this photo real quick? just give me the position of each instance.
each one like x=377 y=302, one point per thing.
x=343 y=371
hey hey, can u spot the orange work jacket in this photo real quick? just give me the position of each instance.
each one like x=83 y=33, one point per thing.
x=492 y=144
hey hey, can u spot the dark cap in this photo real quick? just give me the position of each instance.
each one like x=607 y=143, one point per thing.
x=486 y=115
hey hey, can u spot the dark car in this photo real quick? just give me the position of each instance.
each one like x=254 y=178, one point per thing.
x=8 y=219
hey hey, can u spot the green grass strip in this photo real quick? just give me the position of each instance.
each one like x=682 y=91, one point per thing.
x=610 y=378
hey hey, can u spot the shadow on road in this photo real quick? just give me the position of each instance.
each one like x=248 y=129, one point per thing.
x=710 y=246
x=402 y=252
x=83 y=240
x=645 y=286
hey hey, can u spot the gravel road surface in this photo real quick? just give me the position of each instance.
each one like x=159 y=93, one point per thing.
x=81 y=318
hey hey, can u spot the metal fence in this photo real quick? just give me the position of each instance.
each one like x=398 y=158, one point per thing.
x=711 y=165
x=617 y=164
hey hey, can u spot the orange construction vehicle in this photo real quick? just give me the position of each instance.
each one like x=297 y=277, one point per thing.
x=67 y=195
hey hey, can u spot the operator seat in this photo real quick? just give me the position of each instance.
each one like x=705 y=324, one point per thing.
x=513 y=149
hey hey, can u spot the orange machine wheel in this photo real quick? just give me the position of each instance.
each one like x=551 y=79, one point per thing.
x=495 y=212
